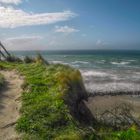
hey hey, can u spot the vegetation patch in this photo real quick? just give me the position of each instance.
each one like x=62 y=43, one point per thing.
x=46 y=113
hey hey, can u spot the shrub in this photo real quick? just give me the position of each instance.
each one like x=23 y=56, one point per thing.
x=39 y=59
x=13 y=59
x=28 y=59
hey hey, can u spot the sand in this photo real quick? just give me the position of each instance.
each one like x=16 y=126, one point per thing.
x=100 y=104
x=10 y=103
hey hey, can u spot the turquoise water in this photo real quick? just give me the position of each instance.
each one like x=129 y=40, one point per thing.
x=102 y=71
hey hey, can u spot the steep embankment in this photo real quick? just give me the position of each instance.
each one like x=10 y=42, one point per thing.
x=10 y=104
x=52 y=102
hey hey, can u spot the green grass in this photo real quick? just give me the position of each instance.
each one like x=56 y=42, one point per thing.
x=44 y=113
x=130 y=134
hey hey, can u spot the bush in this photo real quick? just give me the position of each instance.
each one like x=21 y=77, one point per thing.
x=39 y=59
x=28 y=59
x=13 y=59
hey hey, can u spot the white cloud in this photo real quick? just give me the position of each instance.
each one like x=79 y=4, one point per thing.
x=23 y=42
x=65 y=29
x=99 y=42
x=16 y=2
x=23 y=39
x=12 y=18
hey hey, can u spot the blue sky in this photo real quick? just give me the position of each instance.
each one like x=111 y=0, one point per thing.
x=70 y=24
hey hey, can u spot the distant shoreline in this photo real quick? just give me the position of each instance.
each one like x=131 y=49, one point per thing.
x=91 y=50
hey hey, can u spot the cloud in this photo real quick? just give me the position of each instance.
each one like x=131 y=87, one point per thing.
x=16 y=2
x=12 y=18
x=22 y=39
x=99 y=42
x=65 y=29
x=23 y=42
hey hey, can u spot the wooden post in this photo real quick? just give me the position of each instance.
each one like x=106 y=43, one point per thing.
x=4 y=49
x=2 y=54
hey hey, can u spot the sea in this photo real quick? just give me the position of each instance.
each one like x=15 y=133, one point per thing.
x=103 y=71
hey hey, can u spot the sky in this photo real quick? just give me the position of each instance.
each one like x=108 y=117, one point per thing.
x=70 y=24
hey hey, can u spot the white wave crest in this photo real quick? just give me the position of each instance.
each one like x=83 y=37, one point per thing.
x=60 y=62
x=81 y=62
x=120 y=63
x=57 y=62
x=94 y=73
x=112 y=87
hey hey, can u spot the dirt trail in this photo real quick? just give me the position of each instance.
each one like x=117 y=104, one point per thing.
x=10 y=103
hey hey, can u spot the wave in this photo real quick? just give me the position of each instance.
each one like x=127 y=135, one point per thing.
x=120 y=63
x=111 y=81
x=101 y=61
x=81 y=62
x=60 y=62
x=132 y=60
x=65 y=56
x=94 y=73
x=57 y=62
x=75 y=66
x=112 y=87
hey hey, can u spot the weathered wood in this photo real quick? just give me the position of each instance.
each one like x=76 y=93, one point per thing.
x=2 y=54
x=4 y=49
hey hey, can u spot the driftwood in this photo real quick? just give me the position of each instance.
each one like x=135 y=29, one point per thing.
x=115 y=93
x=1 y=53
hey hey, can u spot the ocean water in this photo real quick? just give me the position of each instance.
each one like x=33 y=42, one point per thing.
x=102 y=71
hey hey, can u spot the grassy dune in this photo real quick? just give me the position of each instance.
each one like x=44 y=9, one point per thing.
x=45 y=114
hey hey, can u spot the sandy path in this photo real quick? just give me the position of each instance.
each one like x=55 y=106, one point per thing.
x=10 y=105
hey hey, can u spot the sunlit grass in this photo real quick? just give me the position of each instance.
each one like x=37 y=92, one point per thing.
x=130 y=134
x=44 y=113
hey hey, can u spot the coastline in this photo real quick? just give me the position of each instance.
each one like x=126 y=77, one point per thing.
x=119 y=70
x=54 y=95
